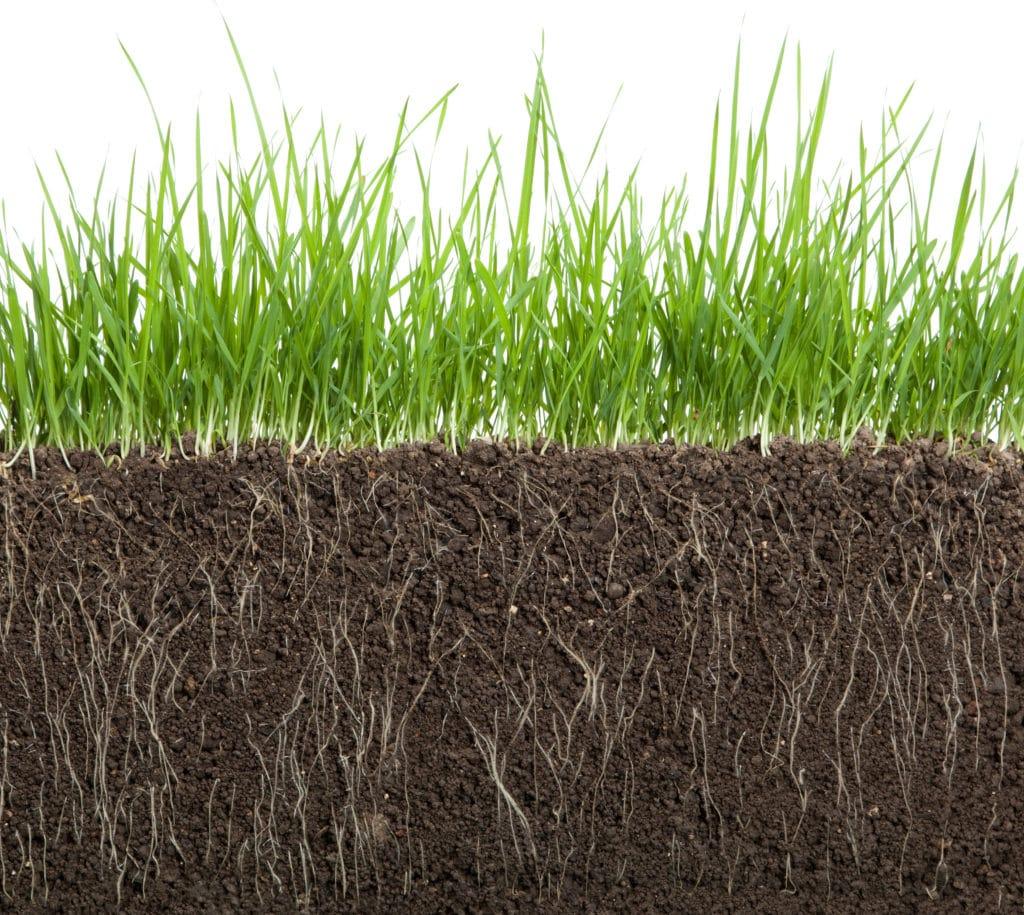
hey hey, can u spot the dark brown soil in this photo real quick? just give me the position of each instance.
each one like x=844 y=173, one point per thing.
x=653 y=679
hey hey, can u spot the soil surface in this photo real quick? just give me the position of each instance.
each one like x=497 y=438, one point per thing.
x=654 y=679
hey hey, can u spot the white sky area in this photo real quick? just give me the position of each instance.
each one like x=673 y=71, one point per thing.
x=66 y=86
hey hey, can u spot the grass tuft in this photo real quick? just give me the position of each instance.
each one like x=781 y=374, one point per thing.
x=287 y=297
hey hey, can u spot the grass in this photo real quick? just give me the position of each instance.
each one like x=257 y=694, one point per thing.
x=285 y=296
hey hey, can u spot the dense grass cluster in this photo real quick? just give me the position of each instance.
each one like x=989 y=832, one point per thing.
x=287 y=297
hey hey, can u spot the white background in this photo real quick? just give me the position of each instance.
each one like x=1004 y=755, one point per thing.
x=65 y=85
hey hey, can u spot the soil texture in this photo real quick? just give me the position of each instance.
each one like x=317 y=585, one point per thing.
x=653 y=679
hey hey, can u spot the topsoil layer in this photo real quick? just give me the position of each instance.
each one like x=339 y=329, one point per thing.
x=651 y=679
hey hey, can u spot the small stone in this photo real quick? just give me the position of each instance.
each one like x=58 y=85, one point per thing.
x=604 y=530
x=997 y=685
x=480 y=452
x=615 y=590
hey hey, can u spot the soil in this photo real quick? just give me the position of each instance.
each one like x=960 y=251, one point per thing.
x=653 y=679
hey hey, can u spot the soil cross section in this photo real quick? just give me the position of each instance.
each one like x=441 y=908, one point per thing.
x=654 y=678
